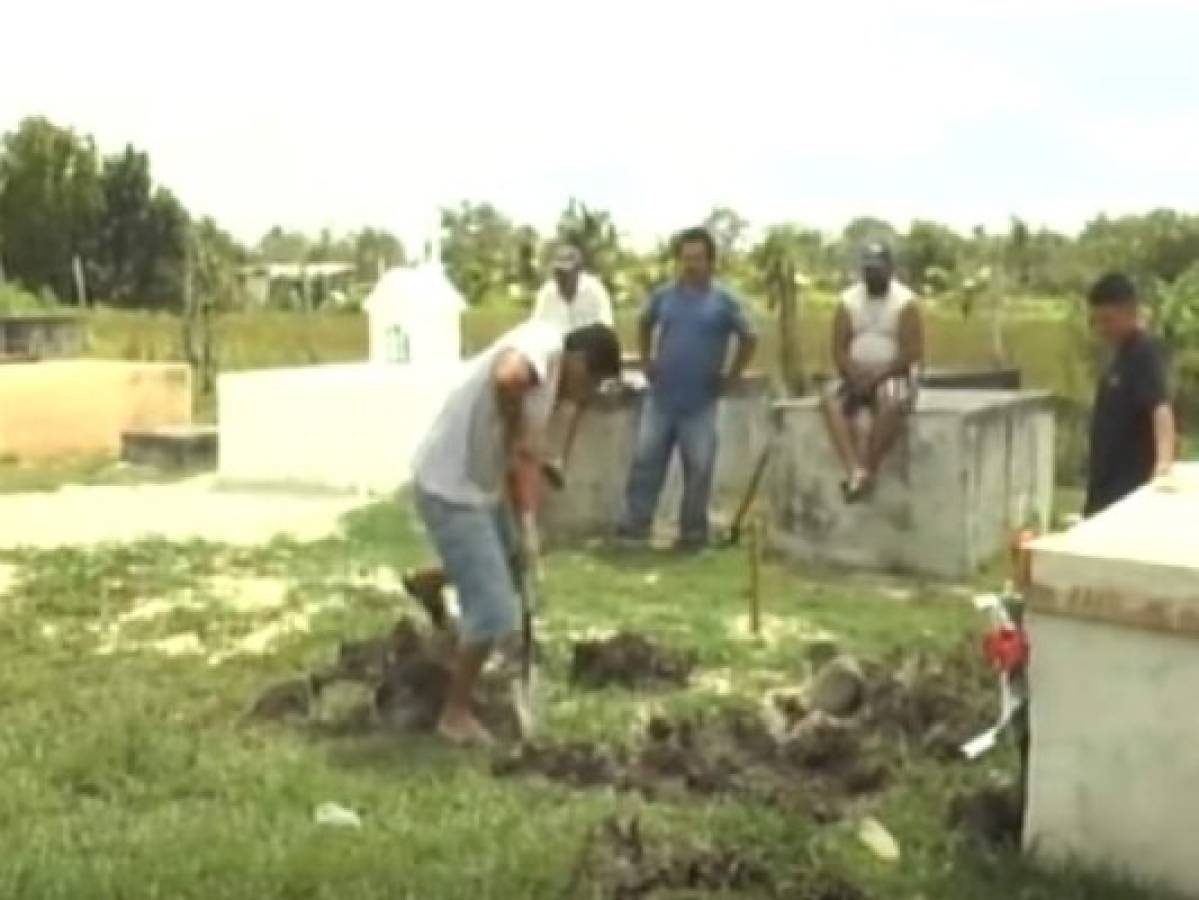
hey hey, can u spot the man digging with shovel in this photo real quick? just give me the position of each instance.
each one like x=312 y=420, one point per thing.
x=478 y=468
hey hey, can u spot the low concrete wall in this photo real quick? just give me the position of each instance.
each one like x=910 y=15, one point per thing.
x=82 y=406
x=598 y=471
x=1114 y=625
x=972 y=466
x=342 y=427
x=40 y=336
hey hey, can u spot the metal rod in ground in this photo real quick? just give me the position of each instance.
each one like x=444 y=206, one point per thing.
x=755 y=574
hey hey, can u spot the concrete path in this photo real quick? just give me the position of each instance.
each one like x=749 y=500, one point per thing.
x=182 y=511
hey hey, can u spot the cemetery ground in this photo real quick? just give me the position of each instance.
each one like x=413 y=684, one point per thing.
x=132 y=770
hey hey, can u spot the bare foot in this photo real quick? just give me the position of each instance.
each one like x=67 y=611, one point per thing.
x=855 y=486
x=463 y=730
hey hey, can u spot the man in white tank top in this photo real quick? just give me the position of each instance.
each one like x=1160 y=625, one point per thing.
x=878 y=346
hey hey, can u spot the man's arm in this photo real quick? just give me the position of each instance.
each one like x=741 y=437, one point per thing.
x=513 y=377
x=747 y=341
x=646 y=323
x=842 y=338
x=1164 y=438
x=911 y=342
x=1153 y=396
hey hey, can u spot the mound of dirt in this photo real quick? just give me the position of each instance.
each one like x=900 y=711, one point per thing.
x=729 y=753
x=404 y=676
x=930 y=705
x=620 y=863
x=993 y=815
x=800 y=758
x=629 y=660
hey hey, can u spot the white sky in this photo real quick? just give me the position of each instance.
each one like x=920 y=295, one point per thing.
x=354 y=113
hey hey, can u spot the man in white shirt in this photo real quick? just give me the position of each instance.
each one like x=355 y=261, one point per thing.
x=572 y=298
x=878 y=346
x=479 y=465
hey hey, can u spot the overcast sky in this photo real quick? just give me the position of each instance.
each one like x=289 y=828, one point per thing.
x=348 y=113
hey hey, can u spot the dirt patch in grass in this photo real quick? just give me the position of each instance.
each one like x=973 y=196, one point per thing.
x=402 y=679
x=992 y=815
x=619 y=862
x=784 y=754
x=731 y=753
x=629 y=660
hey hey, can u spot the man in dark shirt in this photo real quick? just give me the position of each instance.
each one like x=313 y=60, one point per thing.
x=1132 y=430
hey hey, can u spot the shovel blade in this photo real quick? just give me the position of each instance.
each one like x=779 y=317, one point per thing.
x=524 y=705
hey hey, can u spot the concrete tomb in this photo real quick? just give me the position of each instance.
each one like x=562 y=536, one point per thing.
x=351 y=426
x=598 y=470
x=971 y=467
x=1113 y=620
x=65 y=407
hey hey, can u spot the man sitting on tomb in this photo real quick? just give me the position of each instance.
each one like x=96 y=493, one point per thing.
x=480 y=466
x=878 y=346
x=572 y=298
x=1132 y=429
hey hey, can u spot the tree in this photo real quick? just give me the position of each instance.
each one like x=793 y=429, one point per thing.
x=867 y=228
x=211 y=285
x=1162 y=244
x=141 y=238
x=479 y=248
x=930 y=248
x=281 y=246
x=51 y=202
x=728 y=229
x=774 y=262
x=593 y=232
x=375 y=250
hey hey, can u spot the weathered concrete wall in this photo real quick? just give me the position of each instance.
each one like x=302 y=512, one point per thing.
x=598 y=470
x=343 y=427
x=82 y=406
x=972 y=466
x=1114 y=625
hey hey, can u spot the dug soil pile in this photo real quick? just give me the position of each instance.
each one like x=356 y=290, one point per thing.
x=787 y=754
x=619 y=862
x=629 y=660
x=402 y=678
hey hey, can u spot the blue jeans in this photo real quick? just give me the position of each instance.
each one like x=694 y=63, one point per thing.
x=660 y=432
x=475 y=545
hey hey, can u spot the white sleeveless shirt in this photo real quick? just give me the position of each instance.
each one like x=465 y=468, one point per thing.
x=462 y=458
x=874 y=324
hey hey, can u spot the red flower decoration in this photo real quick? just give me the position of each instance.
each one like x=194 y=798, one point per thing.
x=1006 y=648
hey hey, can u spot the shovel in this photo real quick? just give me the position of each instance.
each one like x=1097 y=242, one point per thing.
x=524 y=689
x=733 y=537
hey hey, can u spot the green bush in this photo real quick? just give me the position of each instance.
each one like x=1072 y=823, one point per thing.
x=15 y=299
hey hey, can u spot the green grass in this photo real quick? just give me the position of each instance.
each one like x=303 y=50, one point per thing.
x=21 y=477
x=131 y=776
x=1041 y=345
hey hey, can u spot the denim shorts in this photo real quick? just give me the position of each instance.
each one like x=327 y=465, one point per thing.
x=475 y=545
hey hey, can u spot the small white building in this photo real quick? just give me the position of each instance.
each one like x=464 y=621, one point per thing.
x=353 y=426
x=415 y=317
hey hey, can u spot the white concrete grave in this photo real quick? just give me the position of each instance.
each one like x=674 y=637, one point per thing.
x=349 y=426
x=1113 y=621
x=415 y=317
x=973 y=467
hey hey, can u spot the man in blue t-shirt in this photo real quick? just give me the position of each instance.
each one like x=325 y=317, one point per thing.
x=692 y=319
